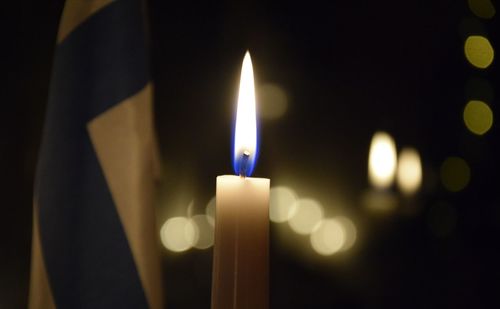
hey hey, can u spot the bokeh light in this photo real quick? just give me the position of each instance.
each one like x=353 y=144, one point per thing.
x=442 y=219
x=308 y=213
x=482 y=8
x=350 y=232
x=328 y=237
x=478 y=51
x=382 y=160
x=273 y=101
x=210 y=211
x=455 y=174
x=282 y=204
x=179 y=234
x=478 y=117
x=409 y=174
x=205 y=232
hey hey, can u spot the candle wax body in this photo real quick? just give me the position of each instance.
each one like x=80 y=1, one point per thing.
x=241 y=250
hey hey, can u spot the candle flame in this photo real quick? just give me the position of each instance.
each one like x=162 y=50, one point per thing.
x=245 y=132
x=409 y=174
x=382 y=160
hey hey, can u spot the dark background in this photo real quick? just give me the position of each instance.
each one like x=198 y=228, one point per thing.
x=348 y=68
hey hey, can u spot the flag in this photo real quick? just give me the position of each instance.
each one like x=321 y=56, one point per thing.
x=94 y=236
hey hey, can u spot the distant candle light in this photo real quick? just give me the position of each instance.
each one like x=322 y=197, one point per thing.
x=307 y=214
x=478 y=117
x=179 y=234
x=350 y=232
x=329 y=237
x=282 y=204
x=210 y=211
x=482 y=8
x=478 y=51
x=205 y=230
x=382 y=160
x=409 y=175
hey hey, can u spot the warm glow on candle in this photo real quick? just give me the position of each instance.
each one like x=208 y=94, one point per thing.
x=382 y=160
x=245 y=134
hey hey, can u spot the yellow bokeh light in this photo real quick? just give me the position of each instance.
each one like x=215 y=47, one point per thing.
x=482 y=8
x=478 y=117
x=307 y=214
x=273 y=101
x=382 y=160
x=282 y=204
x=328 y=237
x=455 y=174
x=179 y=234
x=210 y=211
x=205 y=232
x=350 y=232
x=479 y=51
x=409 y=175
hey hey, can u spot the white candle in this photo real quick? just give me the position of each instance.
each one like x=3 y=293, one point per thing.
x=241 y=250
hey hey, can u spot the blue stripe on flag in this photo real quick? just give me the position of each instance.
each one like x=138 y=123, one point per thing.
x=87 y=256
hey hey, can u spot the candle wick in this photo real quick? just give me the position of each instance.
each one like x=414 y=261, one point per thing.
x=244 y=163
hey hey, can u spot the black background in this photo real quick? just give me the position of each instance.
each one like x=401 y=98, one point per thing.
x=348 y=69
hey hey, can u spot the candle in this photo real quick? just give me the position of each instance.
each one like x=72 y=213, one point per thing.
x=241 y=249
x=381 y=172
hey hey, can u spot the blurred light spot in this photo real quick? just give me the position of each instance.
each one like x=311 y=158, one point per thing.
x=210 y=211
x=205 y=232
x=479 y=51
x=273 y=101
x=478 y=88
x=350 y=232
x=179 y=234
x=282 y=204
x=409 y=176
x=478 y=117
x=482 y=8
x=455 y=174
x=382 y=160
x=307 y=214
x=379 y=201
x=442 y=219
x=328 y=237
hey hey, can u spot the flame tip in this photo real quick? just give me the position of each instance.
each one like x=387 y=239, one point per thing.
x=247 y=57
